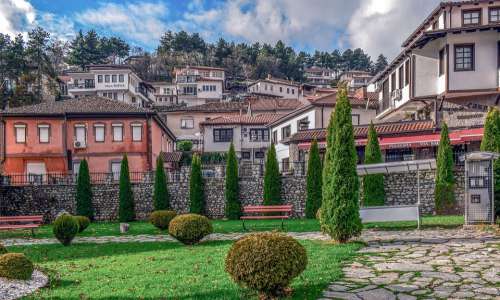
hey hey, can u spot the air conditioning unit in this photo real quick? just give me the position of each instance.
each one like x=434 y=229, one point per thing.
x=396 y=95
x=79 y=145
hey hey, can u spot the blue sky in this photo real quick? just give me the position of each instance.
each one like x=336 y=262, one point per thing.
x=378 y=26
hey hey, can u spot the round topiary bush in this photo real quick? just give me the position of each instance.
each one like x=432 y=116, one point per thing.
x=266 y=262
x=3 y=250
x=83 y=222
x=161 y=218
x=65 y=228
x=189 y=229
x=15 y=266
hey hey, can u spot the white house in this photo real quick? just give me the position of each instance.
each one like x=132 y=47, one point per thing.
x=452 y=56
x=165 y=93
x=199 y=85
x=320 y=77
x=117 y=82
x=355 y=79
x=275 y=88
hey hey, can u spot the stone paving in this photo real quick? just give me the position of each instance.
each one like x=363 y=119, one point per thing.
x=427 y=264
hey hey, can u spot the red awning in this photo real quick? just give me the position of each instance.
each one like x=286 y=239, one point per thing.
x=417 y=141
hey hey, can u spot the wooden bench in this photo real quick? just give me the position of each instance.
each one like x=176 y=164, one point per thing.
x=21 y=222
x=266 y=212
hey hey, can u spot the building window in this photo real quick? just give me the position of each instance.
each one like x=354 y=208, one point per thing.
x=435 y=25
x=393 y=81
x=471 y=17
x=407 y=72
x=76 y=167
x=117 y=132
x=43 y=133
x=20 y=131
x=187 y=123
x=286 y=132
x=136 y=132
x=494 y=14
x=400 y=75
x=259 y=135
x=288 y=90
x=115 y=96
x=115 y=169
x=121 y=78
x=106 y=78
x=99 y=78
x=223 y=135
x=293 y=91
x=274 y=138
x=259 y=154
x=99 y=132
x=464 y=58
x=113 y=78
x=80 y=133
x=441 y=62
x=355 y=119
x=245 y=155
x=303 y=124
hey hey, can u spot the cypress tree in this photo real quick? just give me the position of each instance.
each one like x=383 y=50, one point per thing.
x=84 y=192
x=373 y=185
x=272 y=179
x=491 y=143
x=340 y=211
x=327 y=161
x=161 y=196
x=196 y=196
x=126 y=211
x=232 y=189
x=443 y=195
x=314 y=181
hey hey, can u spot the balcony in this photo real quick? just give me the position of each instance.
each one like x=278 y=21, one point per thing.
x=81 y=86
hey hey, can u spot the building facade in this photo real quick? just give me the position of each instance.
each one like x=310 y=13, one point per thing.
x=355 y=79
x=273 y=87
x=165 y=93
x=320 y=77
x=199 y=85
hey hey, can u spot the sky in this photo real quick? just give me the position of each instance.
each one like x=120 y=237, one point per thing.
x=377 y=26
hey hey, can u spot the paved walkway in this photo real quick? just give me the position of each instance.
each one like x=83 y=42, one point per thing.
x=430 y=264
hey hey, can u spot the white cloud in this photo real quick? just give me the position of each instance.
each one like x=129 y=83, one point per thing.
x=16 y=16
x=380 y=26
x=60 y=27
x=140 y=22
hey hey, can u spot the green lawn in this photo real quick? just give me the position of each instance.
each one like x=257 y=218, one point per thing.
x=221 y=226
x=167 y=270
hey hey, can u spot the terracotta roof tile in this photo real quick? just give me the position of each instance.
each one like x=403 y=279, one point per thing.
x=331 y=99
x=261 y=119
x=171 y=156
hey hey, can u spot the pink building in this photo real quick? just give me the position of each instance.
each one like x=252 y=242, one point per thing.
x=54 y=137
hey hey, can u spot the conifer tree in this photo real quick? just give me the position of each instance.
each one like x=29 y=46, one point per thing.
x=314 y=181
x=84 y=192
x=196 y=194
x=373 y=185
x=272 y=179
x=126 y=211
x=340 y=210
x=444 y=191
x=327 y=161
x=491 y=143
x=161 y=196
x=232 y=189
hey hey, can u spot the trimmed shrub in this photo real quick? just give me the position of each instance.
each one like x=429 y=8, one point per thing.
x=3 y=250
x=161 y=218
x=232 y=189
x=196 y=194
x=84 y=192
x=491 y=142
x=445 y=182
x=15 y=266
x=272 y=179
x=83 y=223
x=266 y=262
x=126 y=211
x=340 y=209
x=65 y=228
x=314 y=181
x=373 y=185
x=161 y=196
x=189 y=229
x=184 y=146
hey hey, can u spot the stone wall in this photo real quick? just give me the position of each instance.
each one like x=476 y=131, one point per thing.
x=49 y=200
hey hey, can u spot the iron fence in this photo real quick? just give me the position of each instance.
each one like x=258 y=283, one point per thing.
x=293 y=168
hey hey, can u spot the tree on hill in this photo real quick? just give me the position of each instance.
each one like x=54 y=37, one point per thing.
x=314 y=181
x=232 y=189
x=84 y=192
x=126 y=211
x=272 y=179
x=445 y=182
x=196 y=187
x=161 y=196
x=491 y=143
x=380 y=64
x=373 y=185
x=340 y=211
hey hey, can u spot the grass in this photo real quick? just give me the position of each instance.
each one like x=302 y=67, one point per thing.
x=167 y=270
x=225 y=226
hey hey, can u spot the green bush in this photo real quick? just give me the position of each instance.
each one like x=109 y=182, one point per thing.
x=184 y=146
x=161 y=218
x=196 y=193
x=15 y=266
x=373 y=185
x=84 y=192
x=126 y=210
x=3 y=250
x=266 y=262
x=189 y=229
x=314 y=181
x=491 y=142
x=161 y=196
x=83 y=222
x=65 y=228
x=445 y=180
x=232 y=189
x=272 y=179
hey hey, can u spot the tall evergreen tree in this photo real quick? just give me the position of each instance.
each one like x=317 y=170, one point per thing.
x=196 y=187
x=373 y=185
x=36 y=52
x=380 y=65
x=314 y=181
x=340 y=210
x=272 y=179
x=161 y=196
x=232 y=189
x=327 y=172
x=444 y=191
x=84 y=192
x=126 y=210
x=491 y=143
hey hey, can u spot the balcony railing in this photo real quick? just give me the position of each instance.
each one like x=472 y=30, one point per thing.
x=81 y=86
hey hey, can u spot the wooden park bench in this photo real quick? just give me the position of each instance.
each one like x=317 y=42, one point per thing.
x=266 y=212
x=21 y=222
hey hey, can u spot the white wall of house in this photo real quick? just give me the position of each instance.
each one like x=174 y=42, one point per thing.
x=275 y=89
x=209 y=89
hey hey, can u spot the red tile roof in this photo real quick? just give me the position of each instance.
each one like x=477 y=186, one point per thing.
x=331 y=99
x=272 y=104
x=262 y=119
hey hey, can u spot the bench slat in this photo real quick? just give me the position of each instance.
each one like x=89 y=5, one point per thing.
x=21 y=218
x=265 y=210
x=5 y=227
x=268 y=206
x=263 y=217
